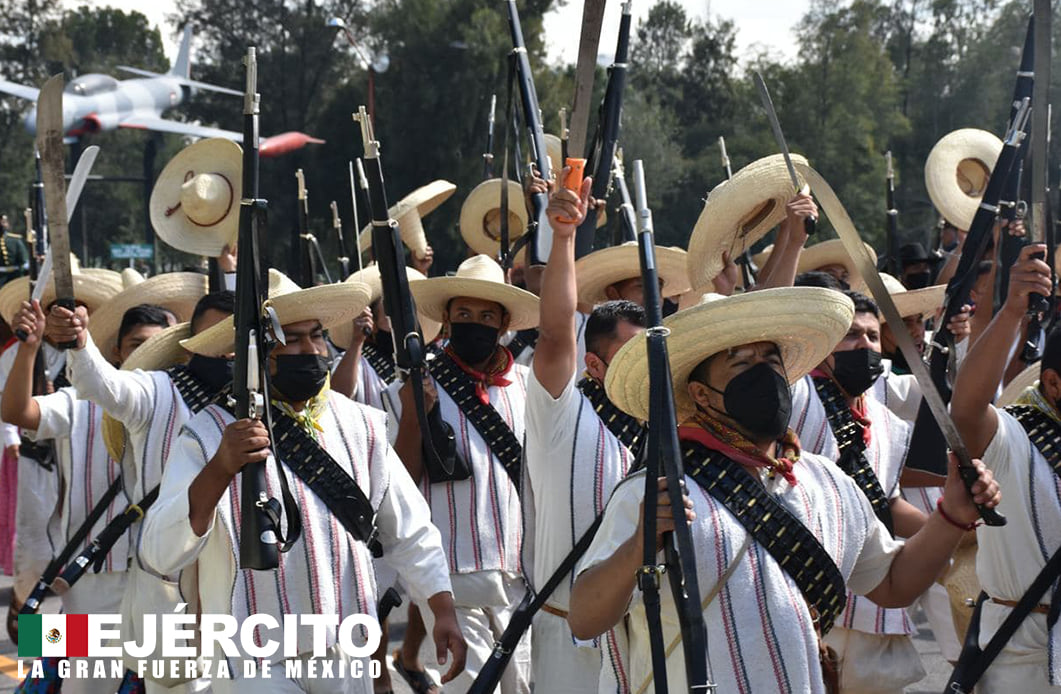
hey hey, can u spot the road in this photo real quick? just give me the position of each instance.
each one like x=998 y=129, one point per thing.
x=937 y=668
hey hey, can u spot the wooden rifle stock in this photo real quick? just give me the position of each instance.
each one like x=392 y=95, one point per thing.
x=664 y=455
x=542 y=239
x=606 y=138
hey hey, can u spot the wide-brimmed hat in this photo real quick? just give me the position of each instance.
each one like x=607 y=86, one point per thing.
x=161 y=351
x=195 y=201
x=805 y=323
x=343 y=334
x=331 y=304
x=554 y=149
x=913 y=302
x=957 y=171
x=480 y=221
x=177 y=292
x=1021 y=382
x=479 y=277
x=600 y=269
x=93 y=289
x=409 y=213
x=739 y=212
x=832 y=252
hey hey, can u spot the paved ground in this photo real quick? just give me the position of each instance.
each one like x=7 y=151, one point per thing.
x=938 y=669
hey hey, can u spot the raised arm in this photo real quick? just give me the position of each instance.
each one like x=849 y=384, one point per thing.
x=18 y=406
x=128 y=396
x=347 y=374
x=557 y=347
x=780 y=268
x=981 y=372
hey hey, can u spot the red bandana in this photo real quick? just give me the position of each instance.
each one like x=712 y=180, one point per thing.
x=858 y=410
x=715 y=435
x=499 y=365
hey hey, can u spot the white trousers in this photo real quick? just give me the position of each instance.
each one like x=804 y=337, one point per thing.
x=481 y=627
x=1025 y=678
x=874 y=663
x=279 y=683
x=94 y=594
x=559 y=666
x=38 y=496
x=936 y=604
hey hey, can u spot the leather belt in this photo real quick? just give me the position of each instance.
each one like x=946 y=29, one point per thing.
x=562 y=614
x=1038 y=609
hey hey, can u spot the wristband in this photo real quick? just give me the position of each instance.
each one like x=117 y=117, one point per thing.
x=960 y=526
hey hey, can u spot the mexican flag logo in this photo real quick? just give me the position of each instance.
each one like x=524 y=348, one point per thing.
x=52 y=635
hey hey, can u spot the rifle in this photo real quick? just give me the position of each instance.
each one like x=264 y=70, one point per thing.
x=540 y=232
x=1013 y=199
x=410 y=356
x=353 y=206
x=344 y=259
x=892 y=230
x=309 y=252
x=1040 y=231
x=488 y=155
x=260 y=538
x=606 y=136
x=745 y=259
x=664 y=454
x=627 y=230
x=565 y=134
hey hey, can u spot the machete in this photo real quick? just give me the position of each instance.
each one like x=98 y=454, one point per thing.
x=809 y=223
x=50 y=132
x=585 y=72
x=845 y=229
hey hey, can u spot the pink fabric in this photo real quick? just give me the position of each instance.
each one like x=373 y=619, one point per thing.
x=8 y=500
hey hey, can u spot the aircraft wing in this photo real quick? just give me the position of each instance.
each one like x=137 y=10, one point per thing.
x=151 y=122
x=19 y=90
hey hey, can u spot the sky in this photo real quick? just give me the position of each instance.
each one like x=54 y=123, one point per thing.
x=760 y=23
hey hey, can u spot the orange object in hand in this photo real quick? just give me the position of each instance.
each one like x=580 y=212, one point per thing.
x=573 y=180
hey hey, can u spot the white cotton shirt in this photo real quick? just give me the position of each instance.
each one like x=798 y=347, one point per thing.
x=1010 y=557
x=759 y=630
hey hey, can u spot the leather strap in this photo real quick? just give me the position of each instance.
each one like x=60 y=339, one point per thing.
x=486 y=420
x=773 y=526
x=556 y=611
x=1038 y=609
x=853 y=460
x=628 y=430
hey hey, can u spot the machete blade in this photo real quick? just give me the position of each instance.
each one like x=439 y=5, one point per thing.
x=50 y=131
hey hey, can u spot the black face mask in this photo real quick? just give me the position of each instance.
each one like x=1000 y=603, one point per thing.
x=759 y=401
x=669 y=307
x=473 y=342
x=214 y=372
x=918 y=280
x=856 y=370
x=300 y=376
x=384 y=341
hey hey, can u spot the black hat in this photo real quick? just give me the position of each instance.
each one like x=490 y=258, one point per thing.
x=911 y=253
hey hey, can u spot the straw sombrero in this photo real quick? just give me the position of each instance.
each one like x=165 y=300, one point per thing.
x=599 y=270
x=331 y=304
x=832 y=252
x=342 y=334
x=739 y=212
x=480 y=221
x=92 y=289
x=957 y=171
x=479 y=277
x=1021 y=382
x=554 y=149
x=176 y=292
x=804 y=322
x=962 y=584
x=195 y=201
x=409 y=213
x=161 y=351
x=913 y=302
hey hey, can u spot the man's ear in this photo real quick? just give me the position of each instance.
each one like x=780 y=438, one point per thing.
x=1050 y=383
x=595 y=366
x=611 y=292
x=698 y=392
x=116 y=353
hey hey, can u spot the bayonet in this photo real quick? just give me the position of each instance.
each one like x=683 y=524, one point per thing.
x=768 y=104
x=488 y=155
x=726 y=168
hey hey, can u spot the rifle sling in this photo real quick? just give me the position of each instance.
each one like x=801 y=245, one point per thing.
x=327 y=479
x=96 y=553
x=1044 y=433
x=630 y=432
x=487 y=421
x=853 y=460
x=33 y=602
x=773 y=526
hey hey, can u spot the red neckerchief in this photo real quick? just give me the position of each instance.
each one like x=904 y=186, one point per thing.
x=499 y=365
x=716 y=436
x=859 y=410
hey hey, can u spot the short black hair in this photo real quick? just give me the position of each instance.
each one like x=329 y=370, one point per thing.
x=224 y=301
x=817 y=278
x=144 y=314
x=1052 y=351
x=863 y=304
x=605 y=318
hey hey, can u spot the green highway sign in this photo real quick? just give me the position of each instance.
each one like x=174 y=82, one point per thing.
x=124 y=251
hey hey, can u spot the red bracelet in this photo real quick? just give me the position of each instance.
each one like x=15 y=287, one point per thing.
x=960 y=526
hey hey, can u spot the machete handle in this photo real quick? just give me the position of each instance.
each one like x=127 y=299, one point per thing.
x=573 y=180
x=21 y=335
x=810 y=225
x=70 y=305
x=990 y=516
